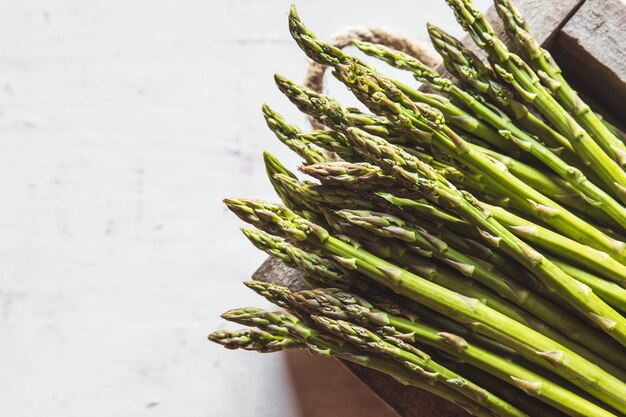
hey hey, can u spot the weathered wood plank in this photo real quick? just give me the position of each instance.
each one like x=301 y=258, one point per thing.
x=591 y=50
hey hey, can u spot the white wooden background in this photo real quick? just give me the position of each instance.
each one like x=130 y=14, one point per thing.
x=123 y=124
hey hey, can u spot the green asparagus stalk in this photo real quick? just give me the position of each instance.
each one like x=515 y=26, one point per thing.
x=459 y=176
x=326 y=54
x=272 y=245
x=531 y=344
x=550 y=73
x=428 y=207
x=372 y=176
x=617 y=132
x=320 y=198
x=385 y=300
x=320 y=268
x=332 y=141
x=467 y=67
x=598 y=261
x=319 y=271
x=382 y=96
x=526 y=83
x=322 y=195
x=287 y=325
x=318 y=343
x=329 y=112
x=273 y=167
x=339 y=305
x=288 y=134
x=603 y=266
x=416 y=360
x=407 y=309
x=507 y=392
x=253 y=340
x=412 y=256
x=389 y=226
x=350 y=175
x=611 y=293
x=415 y=172
x=574 y=176
x=446 y=226
x=462 y=237
x=419 y=261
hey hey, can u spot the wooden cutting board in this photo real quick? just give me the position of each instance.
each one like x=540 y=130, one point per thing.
x=586 y=38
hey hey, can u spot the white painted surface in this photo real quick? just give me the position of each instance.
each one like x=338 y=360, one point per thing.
x=123 y=124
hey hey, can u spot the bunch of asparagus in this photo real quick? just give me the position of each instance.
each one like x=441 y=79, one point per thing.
x=469 y=242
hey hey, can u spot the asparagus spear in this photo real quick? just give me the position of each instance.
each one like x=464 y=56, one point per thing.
x=413 y=171
x=375 y=177
x=550 y=73
x=339 y=305
x=319 y=345
x=596 y=260
x=603 y=265
x=393 y=227
x=545 y=238
x=526 y=83
x=283 y=297
x=509 y=393
x=418 y=361
x=467 y=67
x=610 y=292
x=360 y=174
x=319 y=270
x=329 y=112
x=617 y=132
x=351 y=175
x=322 y=269
x=378 y=94
x=320 y=198
x=439 y=222
x=387 y=301
x=326 y=54
x=272 y=167
x=419 y=261
x=531 y=344
x=253 y=340
x=289 y=325
x=288 y=134
x=332 y=141
x=458 y=175
x=605 y=353
x=574 y=176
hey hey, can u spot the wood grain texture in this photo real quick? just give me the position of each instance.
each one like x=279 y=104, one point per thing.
x=546 y=19
x=591 y=51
